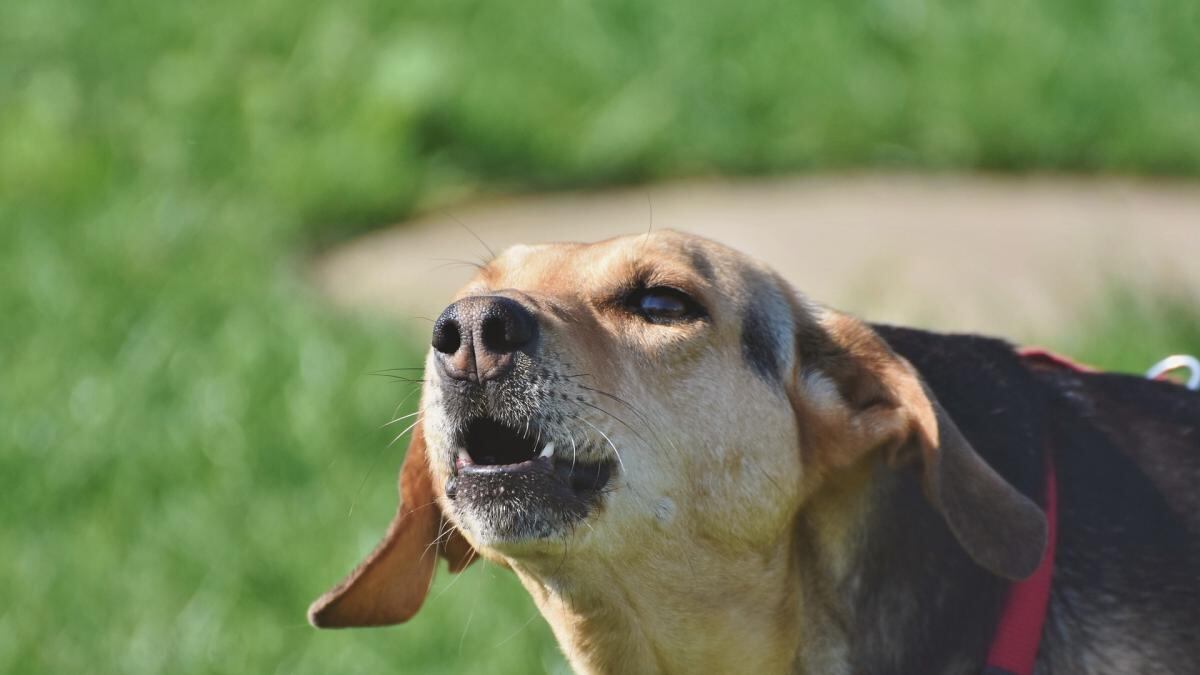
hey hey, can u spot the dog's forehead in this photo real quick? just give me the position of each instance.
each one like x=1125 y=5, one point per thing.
x=754 y=306
x=672 y=257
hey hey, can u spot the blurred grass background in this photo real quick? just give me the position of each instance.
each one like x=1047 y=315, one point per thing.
x=190 y=440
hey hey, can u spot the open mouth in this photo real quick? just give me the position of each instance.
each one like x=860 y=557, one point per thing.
x=490 y=448
x=518 y=484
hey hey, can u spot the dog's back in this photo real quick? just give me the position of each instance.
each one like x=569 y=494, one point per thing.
x=1126 y=588
x=1127 y=581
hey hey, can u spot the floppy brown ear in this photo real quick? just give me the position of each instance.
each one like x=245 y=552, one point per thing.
x=390 y=585
x=855 y=396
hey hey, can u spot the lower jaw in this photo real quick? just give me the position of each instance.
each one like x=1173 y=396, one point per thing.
x=517 y=536
x=520 y=510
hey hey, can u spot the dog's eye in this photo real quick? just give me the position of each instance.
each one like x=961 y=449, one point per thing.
x=664 y=304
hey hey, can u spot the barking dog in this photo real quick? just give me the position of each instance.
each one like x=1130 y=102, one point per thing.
x=693 y=468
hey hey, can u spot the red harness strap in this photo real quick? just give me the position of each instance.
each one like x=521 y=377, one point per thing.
x=1044 y=357
x=1019 y=633
x=1015 y=646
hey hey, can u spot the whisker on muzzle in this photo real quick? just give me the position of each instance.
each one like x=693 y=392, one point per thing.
x=398 y=378
x=375 y=463
x=649 y=427
x=615 y=417
x=400 y=404
x=406 y=430
x=608 y=440
x=574 y=450
x=399 y=419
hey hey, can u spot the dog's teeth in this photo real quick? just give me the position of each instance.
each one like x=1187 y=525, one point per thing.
x=463 y=456
x=547 y=451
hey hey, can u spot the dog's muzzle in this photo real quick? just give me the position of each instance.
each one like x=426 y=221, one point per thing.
x=518 y=470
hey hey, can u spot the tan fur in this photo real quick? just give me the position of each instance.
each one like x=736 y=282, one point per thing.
x=735 y=509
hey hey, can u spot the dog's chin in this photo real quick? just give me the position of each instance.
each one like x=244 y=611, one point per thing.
x=515 y=493
x=517 y=505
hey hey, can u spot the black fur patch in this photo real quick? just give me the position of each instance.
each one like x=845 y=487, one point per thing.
x=760 y=347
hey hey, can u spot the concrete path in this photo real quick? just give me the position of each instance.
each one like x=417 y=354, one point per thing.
x=1009 y=256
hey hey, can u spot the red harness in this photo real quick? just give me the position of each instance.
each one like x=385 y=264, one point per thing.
x=1019 y=633
x=1015 y=645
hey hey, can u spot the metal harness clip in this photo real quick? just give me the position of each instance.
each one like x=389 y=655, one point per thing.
x=1175 y=362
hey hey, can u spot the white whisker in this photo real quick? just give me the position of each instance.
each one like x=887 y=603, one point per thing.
x=400 y=418
x=574 y=451
x=646 y=422
x=609 y=440
x=470 y=558
x=401 y=434
x=519 y=630
x=374 y=461
x=443 y=533
x=396 y=410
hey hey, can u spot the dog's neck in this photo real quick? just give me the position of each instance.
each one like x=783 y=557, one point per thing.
x=717 y=615
x=721 y=609
x=903 y=596
x=853 y=591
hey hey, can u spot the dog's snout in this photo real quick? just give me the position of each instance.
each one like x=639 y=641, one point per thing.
x=475 y=338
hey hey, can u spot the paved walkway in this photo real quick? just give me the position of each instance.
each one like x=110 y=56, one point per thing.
x=1008 y=256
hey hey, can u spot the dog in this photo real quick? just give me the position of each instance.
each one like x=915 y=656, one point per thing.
x=693 y=468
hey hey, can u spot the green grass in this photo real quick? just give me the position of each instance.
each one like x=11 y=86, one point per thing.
x=1135 y=328
x=190 y=440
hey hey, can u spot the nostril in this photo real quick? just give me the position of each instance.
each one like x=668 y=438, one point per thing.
x=494 y=334
x=447 y=336
x=507 y=328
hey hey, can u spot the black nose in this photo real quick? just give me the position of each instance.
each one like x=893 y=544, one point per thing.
x=476 y=337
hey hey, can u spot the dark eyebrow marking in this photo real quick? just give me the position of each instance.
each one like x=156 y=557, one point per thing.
x=702 y=264
x=760 y=344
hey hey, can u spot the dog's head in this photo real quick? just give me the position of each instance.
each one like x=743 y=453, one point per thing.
x=624 y=399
